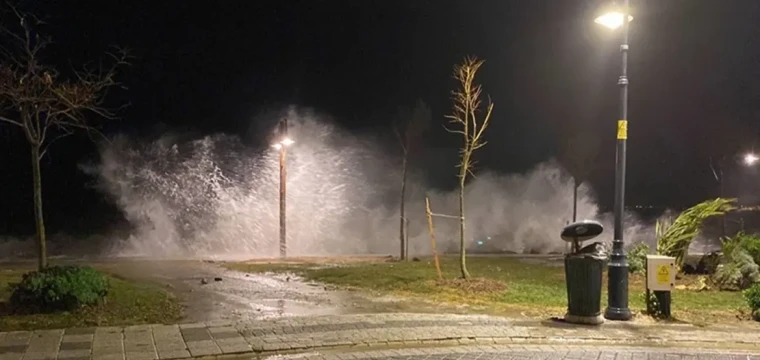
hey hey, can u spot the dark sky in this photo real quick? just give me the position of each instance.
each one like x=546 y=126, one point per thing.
x=212 y=66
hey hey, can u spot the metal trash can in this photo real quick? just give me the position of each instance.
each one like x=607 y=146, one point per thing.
x=583 y=274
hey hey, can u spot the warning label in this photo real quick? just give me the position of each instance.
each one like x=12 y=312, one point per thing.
x=663 y=274
x=622 y=129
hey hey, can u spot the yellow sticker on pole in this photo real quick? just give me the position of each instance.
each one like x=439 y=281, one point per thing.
x=663 y=274
x=622 y=129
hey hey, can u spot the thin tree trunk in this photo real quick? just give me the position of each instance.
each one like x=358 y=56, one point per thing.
x=402 y=228
x=575 y=199
x=38 y=215
x=723 y=217
x=406 y=239
x=462 y=250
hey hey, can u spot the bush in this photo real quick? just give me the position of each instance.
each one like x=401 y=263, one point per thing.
x=750 y=243
x=59 y=288
x=738 y=270
x=637 y=258
x=752 y=295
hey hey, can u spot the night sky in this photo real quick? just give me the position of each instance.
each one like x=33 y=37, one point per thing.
x=211 y=66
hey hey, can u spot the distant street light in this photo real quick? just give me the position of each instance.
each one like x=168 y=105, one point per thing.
x=617 y=296
x=282 y=145
x=751 y=159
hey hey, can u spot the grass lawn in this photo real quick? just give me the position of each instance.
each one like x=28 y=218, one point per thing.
x=127 y=303
x=503 y=286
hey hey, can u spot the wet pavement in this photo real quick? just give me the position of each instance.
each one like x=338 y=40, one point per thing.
x=208 y=291
x=211 y=292
x=529 y=352
x=381 y=336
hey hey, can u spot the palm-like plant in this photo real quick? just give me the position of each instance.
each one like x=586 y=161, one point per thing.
x=674 y=237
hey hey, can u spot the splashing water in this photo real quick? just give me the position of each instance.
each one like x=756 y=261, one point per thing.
x=215 y=197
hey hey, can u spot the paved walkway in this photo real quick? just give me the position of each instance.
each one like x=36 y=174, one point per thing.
x=527 y=352
x=352 y=333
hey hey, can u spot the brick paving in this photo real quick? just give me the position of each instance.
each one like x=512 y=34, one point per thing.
x=525 y=352
x=352 y=332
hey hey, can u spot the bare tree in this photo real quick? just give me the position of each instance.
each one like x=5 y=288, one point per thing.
x=470 y=124
x=43 y=102
x=409 y=130
x=579 y=154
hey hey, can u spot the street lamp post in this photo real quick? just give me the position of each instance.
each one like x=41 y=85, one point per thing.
x=617 y=297
x=282 y=145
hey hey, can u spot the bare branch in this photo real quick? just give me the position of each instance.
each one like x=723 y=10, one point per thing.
x=466 y=106
x=47 y=146
x=715 y=173
x=9 y=121
x=454 y=131
x=38 y=98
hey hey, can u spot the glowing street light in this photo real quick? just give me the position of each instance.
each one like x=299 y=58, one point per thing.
x=617 y=267
x=751 y=159
x=612 y=19
x=284 y=142
x=282 y=146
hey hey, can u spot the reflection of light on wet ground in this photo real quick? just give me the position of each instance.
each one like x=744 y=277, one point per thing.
x=272 y=308
x=247 y=297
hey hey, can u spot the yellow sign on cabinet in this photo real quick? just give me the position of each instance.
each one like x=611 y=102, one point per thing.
x=663 y=274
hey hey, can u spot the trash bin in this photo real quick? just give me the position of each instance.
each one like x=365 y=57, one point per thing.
x=583 y=273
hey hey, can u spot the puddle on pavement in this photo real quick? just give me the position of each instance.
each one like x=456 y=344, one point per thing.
x=283 y=308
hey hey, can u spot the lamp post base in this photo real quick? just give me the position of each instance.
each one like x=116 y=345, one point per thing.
x=619 y=314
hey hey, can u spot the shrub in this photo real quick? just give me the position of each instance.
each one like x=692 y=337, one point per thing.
x=637 y=258
x=749 y=242
x=738 y=270
x=752 y=295
x=59 y=288
x=653 y=305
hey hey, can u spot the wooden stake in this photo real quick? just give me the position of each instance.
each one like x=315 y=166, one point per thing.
x=432 y=237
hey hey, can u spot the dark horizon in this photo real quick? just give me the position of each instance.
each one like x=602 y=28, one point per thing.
x=215 y=67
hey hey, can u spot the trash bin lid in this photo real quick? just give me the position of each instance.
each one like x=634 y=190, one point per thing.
x=582 y=230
